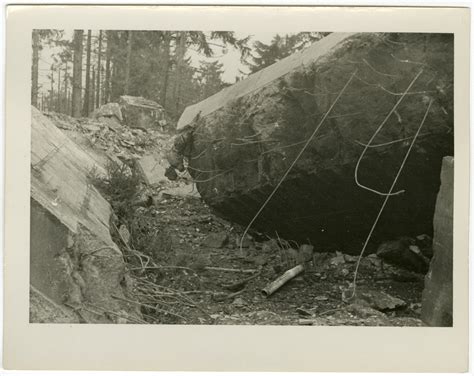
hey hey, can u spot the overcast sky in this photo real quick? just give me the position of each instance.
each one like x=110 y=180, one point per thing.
x=229 y=58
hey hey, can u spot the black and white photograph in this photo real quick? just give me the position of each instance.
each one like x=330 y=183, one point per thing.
x=230 y=178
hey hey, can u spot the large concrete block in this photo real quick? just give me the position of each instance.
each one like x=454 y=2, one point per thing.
x=437 y=304
x=73 y=259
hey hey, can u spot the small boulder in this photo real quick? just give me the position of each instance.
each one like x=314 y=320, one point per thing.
x=404 y=253
x=379 y=300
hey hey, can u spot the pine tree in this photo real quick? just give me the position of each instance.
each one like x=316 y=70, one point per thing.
x=77 y=73
x=34 y=68
x=279 y=48
x=87 y=94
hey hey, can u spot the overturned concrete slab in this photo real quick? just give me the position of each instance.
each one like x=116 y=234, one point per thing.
x=241 y=141
x=73 y=260
x=139 y=112
x=437 y=303
x=109 y=110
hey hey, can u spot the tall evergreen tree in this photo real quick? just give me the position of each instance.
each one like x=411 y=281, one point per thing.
x=87 y=93
x=77 y=73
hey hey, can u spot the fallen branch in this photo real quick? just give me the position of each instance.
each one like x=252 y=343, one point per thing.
x=156 y=309
x=220 y=297
x=123 y=316
x=240 y=284
x=284 y=278
x=230 y=269
x=134 y=252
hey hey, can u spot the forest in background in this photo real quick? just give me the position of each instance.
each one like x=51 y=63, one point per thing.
x=91 y=68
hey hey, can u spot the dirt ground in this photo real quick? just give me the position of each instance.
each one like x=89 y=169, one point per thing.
x=187 y=285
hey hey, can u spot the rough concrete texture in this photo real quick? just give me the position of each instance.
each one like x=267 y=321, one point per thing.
x=242 y=140
x=151 y=169
x=73 y=260
x=109 y=110
x=437 y=302
x=139 y=112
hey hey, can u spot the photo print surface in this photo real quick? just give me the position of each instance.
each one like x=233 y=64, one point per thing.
x=230 y=178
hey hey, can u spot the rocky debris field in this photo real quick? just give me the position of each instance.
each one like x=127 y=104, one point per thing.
x=185 y=264
x=109 y=138
x=193 y=272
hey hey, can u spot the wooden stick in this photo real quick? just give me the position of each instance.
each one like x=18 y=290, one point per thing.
x=284 y=278
x=148 y=306
x=239 y=284
x=230 y=269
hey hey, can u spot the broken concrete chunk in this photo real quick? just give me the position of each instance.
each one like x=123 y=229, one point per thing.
x=73 y=259
x=338 y=259
x=109 y=110
x=216 y=240
x=437 y=301
x=139 y=112
x=151 y=169
x=363 y=311
x=380 y=300
x=404 y=254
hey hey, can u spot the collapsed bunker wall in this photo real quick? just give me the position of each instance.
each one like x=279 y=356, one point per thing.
x=239 y=142
x=77 y=273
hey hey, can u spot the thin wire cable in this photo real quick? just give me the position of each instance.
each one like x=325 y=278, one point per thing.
x=356 y=171
x=295 y=160
x=386 y=200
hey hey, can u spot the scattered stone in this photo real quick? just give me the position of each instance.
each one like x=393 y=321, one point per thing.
x=350 y=259
x=247 y=241
x=239 y=302
x=364 y=311
x=345 y=272
x=216 y=240
x=124 y=233
x=380 y=300
x=306 y=252
x=303 y=312
x=425 y=243
x=403 y=254
x=338 y=259
x=321 y=298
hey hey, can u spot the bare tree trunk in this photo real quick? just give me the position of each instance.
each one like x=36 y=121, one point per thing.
x=99 y=54
x=87 y=93
x=127 y=65
x=66 y=103
x=51 y=95
x=180 y=52
x=108 y=56
x=58 y=106
x=92 y=98
x=166 y=66
x=77 y=74
x=34 y=68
